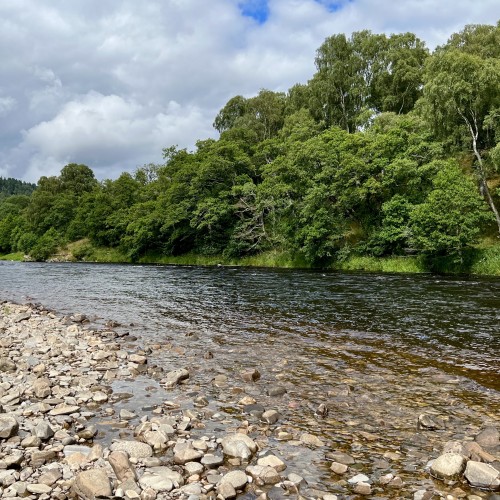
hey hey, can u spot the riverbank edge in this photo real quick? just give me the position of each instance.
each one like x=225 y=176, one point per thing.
x=483 y=261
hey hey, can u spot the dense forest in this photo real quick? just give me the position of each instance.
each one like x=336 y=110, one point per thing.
x=10 y=186
x=388 y=150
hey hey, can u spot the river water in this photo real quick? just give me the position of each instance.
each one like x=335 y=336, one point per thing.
x=376 y=349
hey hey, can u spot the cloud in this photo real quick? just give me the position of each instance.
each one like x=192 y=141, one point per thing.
x=110 y=132
x=112 y=83
x=7 y=104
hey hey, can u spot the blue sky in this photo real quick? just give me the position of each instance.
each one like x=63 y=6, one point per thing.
x=111 y=83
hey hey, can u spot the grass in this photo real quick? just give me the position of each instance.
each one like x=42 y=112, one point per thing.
x=381 y=264
x=274 y=258
x=17 y=256
x=484 y=259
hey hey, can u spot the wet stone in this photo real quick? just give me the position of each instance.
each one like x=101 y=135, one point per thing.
x=237 y=478
x=448 y=466
x=482 y=475
x=339 y=468
x=212 y=461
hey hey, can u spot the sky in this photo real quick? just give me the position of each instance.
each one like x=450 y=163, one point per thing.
x=110 y=83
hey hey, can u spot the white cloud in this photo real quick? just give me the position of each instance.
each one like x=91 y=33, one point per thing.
x=112 y=83
x=110 y=132
x=7 y=104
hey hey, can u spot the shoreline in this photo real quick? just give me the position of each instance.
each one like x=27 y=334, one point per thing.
x=68 y=419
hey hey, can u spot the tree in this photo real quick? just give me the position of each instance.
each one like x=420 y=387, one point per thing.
x=451 y=217
x=462 y=92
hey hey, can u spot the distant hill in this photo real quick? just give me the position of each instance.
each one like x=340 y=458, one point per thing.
x=10 y=186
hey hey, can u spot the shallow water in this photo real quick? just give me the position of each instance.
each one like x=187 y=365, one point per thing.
x=378 y=350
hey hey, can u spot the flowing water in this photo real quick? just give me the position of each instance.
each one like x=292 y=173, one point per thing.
x=376 y=349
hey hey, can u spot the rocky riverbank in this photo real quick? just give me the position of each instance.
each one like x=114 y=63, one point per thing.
x=85 y=413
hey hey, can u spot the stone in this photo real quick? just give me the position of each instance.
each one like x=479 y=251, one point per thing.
x=91 y=484
x=448 y=466
x=482 y=475
x=250 y=375
x=340 y=457
x=99 y=397
x=135 y=449
x=64 y=409
x=272 y=461
x=489 y=437
x=311 y=440
x=267 y=475
x=22 y=317
x=363 y=489
x=155 y=482
x=43 y=430
x=276 y=391
x=358 y=478
x=237 y=478
x=8 y=426
x=186 y=453
x=176 y=376
x=31 y=442
x=138 y=359
x=148 y=494
x=474 y=451
x=88 y=433
x=226 y=490
x=339 y=468
x=38 y=458
x=41 y=388
x=211 y=461
x=127 y=415
x=6 y=365
x=122 y=467
x=430 y=422
x=270 y=416
x=157 y=439
x=195 y=467
x=75 y=448
x=238 y=446
x=50 y=477
x=296 y=480
x=166 y=472
x=39 y=489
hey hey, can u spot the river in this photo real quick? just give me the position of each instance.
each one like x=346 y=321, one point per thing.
x=376 y=348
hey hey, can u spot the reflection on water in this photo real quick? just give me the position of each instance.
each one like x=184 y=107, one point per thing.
x=450 y=323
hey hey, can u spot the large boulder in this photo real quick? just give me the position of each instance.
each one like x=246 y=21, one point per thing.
x=122 y=467
x=91 y=484
x=448 y=466
x=238 y=446
x=135 y=449
x=482 y=475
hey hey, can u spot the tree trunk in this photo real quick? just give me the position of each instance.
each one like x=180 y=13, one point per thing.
x=484 y=185
x=485 y=190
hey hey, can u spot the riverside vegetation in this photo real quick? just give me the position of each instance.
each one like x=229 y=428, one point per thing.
x=386 y=159
x=86 y=413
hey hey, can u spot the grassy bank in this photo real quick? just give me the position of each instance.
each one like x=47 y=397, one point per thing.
x=18 y=256
x=482 y=260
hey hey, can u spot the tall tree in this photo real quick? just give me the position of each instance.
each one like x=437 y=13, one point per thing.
x=462 y=92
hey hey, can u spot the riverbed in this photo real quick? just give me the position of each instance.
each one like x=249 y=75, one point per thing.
x=356 y=357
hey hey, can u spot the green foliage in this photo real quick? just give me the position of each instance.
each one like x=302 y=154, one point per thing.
x=451 y=217
x=46 y=245
x=10 y=186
